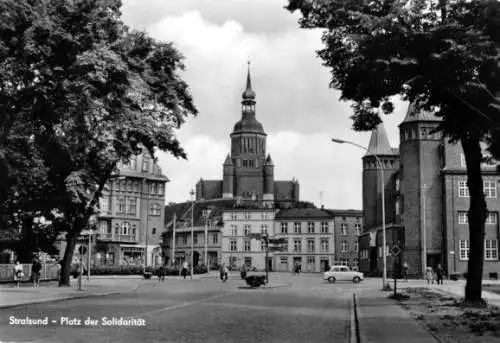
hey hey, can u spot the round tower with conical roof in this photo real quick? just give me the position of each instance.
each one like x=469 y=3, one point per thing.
x=420 y=168
x=228 y=178
x=268 y=179
x=373 y=186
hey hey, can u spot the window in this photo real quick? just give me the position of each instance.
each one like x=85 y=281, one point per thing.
x=234 y=216
x=462 y=161
x=104 y=204
x=310 y=259
x=136 y=186
x=463 y=191
x=153 y=231
x=357 y=229
x=232 y=245
x=246 y=229
x=264 y=216
x=121 y=205
x=464 y=249
x=397 y=185
x=297 y=245
x=117 y=229
x=145 y=162
x=246 y=215
x=324 y=227
x=129 y=186
x=310 y=245
x=343 y=229
x=247 y=245
x=154 y=210
x=356 y=246
x=262 y=245
x=397 y=207
x=297 y=227
x=463 y=217
x=161 y=189
x=490 y=249
x=195 y=239
x=126 y=228
x=310 y=227
x=490 y=189
x=491 y=218
x=104 y=227
x=234 y=230
x=324 y=244
x=153 y=188
x=133 y=162
x=263 y=229
x=284 y=228
x=344 y=246
x=215 y=238
x=132 y=206
x=134 y=230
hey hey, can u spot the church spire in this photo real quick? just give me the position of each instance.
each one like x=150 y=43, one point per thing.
x=248 y=94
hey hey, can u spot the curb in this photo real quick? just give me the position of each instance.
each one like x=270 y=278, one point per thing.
x=76 y=296
x=354 y=334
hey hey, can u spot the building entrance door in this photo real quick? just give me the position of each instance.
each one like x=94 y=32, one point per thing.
x=324 y=265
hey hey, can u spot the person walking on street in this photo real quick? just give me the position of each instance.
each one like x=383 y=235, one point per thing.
x=405 y=271
x=439 y=274
x=18 y=273
x=429 y=275
x=35 y=272
x=185 y=267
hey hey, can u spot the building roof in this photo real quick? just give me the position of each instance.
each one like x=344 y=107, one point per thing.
x=248 y=124
x=303 y=213
x=416 y=113
x=379 y=142
x=248 y=93
x=183 y=211
x=345 y=213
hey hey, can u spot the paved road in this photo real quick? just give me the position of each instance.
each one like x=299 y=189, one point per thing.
x=302 y=309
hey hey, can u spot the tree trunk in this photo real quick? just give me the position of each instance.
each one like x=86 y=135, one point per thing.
x=71 y=239
x=477 y=216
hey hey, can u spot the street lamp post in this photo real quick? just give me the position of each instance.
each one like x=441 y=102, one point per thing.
x=384 y=248
x=192 y=233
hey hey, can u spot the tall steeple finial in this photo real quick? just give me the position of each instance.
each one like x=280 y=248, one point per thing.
x=248 y=93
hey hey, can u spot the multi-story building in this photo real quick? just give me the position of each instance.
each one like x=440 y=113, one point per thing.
x=348 y=226
x=131 y=217
x=183 y=239
x=238 y=247
x=426 y=201
x=309 y=233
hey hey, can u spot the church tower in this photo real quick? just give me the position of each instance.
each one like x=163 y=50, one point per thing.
x=247 y=173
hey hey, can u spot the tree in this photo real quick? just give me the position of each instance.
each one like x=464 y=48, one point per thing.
x=92 y=93
x=441 y=55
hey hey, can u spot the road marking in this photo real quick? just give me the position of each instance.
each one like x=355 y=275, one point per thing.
x=173 y=307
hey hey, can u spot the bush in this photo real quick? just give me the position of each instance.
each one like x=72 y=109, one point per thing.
x=201 y=269
x=454 y=276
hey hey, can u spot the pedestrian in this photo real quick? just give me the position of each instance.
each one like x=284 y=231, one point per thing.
x=185 y=267
x=35 y=272
x=18 y=273
x=405 y=271
x=429 y=275
x=58 y=266
x=439 y=274
x=226 y=273
x=243 y=272
x=162 y=271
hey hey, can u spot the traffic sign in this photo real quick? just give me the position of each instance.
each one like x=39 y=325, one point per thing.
x=395 y=250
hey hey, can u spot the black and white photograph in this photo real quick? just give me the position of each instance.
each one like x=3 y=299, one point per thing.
x=212 y=171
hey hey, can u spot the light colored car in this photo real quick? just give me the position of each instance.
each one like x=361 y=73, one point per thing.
x=342 y=273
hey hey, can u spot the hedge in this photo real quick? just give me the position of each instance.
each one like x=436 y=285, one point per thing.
x=137 y=270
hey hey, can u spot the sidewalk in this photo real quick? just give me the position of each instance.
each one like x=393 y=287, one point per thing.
x=11 y=296
x=383 y=320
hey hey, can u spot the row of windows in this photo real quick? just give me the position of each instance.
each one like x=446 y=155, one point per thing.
x=251 y=145
x=247 y=229
x=463 y=218
x=422 y=133
x=489 y=188
x=297 y=245
x=248 y=216
x=127 y=205
x=183 y=239
x=490 y=249
x=483 y=164
x=155 y=188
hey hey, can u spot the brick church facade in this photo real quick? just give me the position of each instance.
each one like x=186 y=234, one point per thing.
x=426 y=201
x=248 y=174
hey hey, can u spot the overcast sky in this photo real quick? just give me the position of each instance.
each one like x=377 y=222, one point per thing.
x=298 y=110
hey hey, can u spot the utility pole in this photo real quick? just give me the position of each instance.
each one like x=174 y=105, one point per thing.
x=173 y=241
x=206 y=238
x=424 y=233
x=192 y=233
x=266 y=242
x=90 y=254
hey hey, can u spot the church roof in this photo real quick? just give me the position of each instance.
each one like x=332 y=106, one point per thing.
x=414 y=113
x=379 y=142
x=248 y=125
